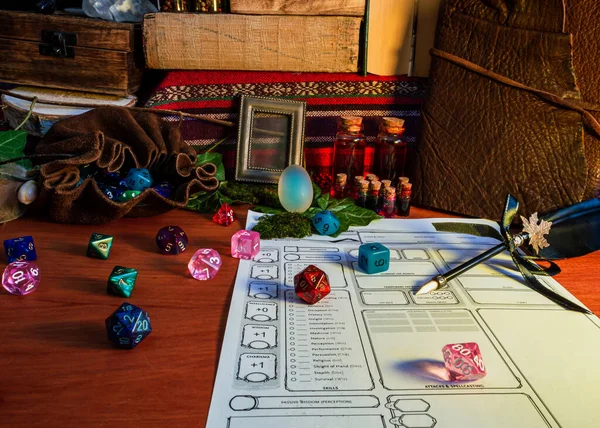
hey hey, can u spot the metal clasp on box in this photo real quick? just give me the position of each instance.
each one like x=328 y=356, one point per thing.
x=58 y=44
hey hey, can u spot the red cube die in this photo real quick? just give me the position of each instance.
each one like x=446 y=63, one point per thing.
x=312 y=284
x=463 y=361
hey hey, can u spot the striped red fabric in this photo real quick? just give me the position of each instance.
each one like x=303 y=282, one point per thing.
x=327 y=96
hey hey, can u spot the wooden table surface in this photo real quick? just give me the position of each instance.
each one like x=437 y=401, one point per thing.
x=57 y=367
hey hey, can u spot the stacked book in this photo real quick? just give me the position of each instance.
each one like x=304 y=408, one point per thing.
x=296 y=35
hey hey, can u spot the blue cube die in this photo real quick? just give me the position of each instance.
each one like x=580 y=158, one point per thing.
x=19 y=249
x=128 y=326
x=326 y=222
x=373 y=258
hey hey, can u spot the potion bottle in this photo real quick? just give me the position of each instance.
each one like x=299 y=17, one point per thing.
x=403 y=200
x=339 y=189
x=390 y=149
x=349 y=148
x=373 y=195
x=388 y=208
x=361 y=195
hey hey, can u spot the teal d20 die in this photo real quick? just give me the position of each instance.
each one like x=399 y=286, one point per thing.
x=121 y=281
x=373 y=258
x=99 y=246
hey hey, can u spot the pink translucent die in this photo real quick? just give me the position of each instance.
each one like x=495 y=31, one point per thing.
x=204 y=264
x=245 y=244
x=21 y=278
x=463 y=361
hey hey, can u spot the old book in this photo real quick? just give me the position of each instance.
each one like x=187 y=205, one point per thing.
x=299 y=7
x=251 y=42
x=401 y=32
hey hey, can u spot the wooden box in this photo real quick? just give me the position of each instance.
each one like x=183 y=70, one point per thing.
x=67 y=52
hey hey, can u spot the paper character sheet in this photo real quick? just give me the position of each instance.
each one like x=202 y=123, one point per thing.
x=369 y=355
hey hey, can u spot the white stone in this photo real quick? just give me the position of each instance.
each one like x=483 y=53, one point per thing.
x=28 y=192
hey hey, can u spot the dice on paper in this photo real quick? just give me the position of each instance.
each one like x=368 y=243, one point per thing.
x=245 y=244
x=373 y=258
x=312 y=284
x=464 y=361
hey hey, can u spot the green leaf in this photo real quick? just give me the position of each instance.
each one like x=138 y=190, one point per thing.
x=214 y=158
x=323 y=201
x=207 y=202
x=12 y=145
x=316 y=193
x=340 y=204
x=357 y=216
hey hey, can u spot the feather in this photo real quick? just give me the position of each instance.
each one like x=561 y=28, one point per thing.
x=575 y=231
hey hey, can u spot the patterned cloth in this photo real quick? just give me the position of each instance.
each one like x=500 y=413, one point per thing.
x=327 y=95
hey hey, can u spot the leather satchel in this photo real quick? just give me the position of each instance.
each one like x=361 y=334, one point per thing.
x=117 y=139
x=510 y=107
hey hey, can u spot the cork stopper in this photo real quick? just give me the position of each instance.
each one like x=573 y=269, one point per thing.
x=372 y=177
x=389 y=192
x=363 y=186
x=406 y=190
x=375 y=186
x=392 y=125
x=340 y=179
x=350 y=123
x=386 y=183
x=401 y=182
x=358 y=179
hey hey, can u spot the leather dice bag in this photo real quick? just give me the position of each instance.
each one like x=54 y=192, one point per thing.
x=117 y=139
x=509 y=107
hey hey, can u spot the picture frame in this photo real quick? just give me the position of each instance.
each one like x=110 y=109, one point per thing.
x=270 y=138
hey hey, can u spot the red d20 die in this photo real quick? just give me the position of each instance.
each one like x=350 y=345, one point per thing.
x=463 y=361
x=312 y=284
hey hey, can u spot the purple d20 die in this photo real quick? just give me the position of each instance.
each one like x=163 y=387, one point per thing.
x=171 y=240
x=245 y=244
x=204 y=264
x=21 y=278
x=463 y=361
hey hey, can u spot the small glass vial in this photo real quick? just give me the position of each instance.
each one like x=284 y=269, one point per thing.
x=372 y=177
x=353 y=191
x=390 y=149
x=339 y=190
x=403 y=200
x=384 y=184
x=349 y=147
x=389 y=202
x=373 y=195
x=208 y=6
x=361 y=196
x=174 y=6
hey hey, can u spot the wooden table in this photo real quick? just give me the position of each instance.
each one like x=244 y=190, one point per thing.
x=57 y=367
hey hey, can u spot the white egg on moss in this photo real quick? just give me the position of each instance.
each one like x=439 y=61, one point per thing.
x=28 y=192
x=295 y=189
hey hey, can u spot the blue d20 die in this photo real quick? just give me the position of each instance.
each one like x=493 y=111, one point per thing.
x=128 y=326
x=19 y=249
x=326 y=222
x=138 y=179
x=373 y=258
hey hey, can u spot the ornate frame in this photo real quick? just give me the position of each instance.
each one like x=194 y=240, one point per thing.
x=248 y=106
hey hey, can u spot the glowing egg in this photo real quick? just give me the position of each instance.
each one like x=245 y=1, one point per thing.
x=295 y=189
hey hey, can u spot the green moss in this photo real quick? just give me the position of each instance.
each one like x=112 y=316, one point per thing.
x=255 y=194
x=285 y=225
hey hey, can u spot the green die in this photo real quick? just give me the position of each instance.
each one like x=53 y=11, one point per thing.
x=99 y=246
x=121 y=281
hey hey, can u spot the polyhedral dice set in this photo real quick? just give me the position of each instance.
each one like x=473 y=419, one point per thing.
x=373 y=258
x=122 y=186
x=19 y=249
x=171 y=240
x=99 y=246
x=312 y=284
